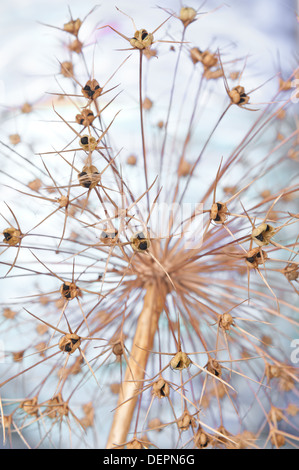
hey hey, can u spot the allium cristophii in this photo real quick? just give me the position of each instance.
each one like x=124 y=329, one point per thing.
x=149 y=250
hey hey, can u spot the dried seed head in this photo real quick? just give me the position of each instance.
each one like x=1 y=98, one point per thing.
x=213 y=74
x=18 y=355
x=195 y=55
x=88 y=143
x=226 y=321
x=187 y=15
x=273 y=371
x=56 y=407
x=219 y=212
x=201 y=438
x=285 y=85
x=92 y=89
x=69 y=290
x=263 y=234
x=109 y=236
x=184 y=168
x=12 y=236
x=214 y=367
x=35 y=185
x=238 y=95
x=275 y=414
x=69 y=343
x=255 y=257
x=160 y=388
x=291 y=271
x=8 y=313
x=76 y=46
x=73 y=26
x=135 y=444
x=277 y=439
x=85 y=118
x=131 y=160
x=180 y=361
x=88 y=420
x=185 y=421
x=292 y=409
x=155 y=424
x=67 y=69
x=147 y=104
x=63 y=201
x=89 y=176
x=14 y=139
x=142 y=39
x=26 y=108
x=30 y=406
x=117 y=349
x=208 y=59
x=140 y=242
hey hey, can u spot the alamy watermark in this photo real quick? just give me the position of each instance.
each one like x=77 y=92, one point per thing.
x=295 y=352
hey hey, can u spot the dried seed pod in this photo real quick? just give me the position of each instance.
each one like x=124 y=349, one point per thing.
x=26 y=108
x=88 y=143
x=277 y=439
x=263 y=234
x=135 y=444
x=86 y=117
x=292 y=409
x=67 y=69
x=275 y=414
x=185 y=421
x=14 y=139
x=238 y=96
x=30 y=406
x=8 y=313
x=161 y=388
x=142 y=39
x=187 y=15
x=147 y=104
x=226 y=321
x=291 y=271
x=56 y=407
x=92 y=89
x=219 y=212
x=89 y=176
x=73 y=26
x=131 y=160
x=214 y=367
x=63 y=201
x=12 y=236
x=69 y=290
x=140 y=242
x=180 y=361
x=35 y=185
x=208 y=59
x=109 y=236
x=255 y=257
x=117 y=349
x=76 y=46
x=201 y=438
x=69 y=343
x=184 y=168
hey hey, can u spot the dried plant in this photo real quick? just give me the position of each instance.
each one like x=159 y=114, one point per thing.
x=150 y=266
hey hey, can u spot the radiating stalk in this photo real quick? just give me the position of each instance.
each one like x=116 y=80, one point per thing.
x=133 y=381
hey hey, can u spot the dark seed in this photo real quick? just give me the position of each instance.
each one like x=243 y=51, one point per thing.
x=84 y=140
x=260 y=237
x=143 y=246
